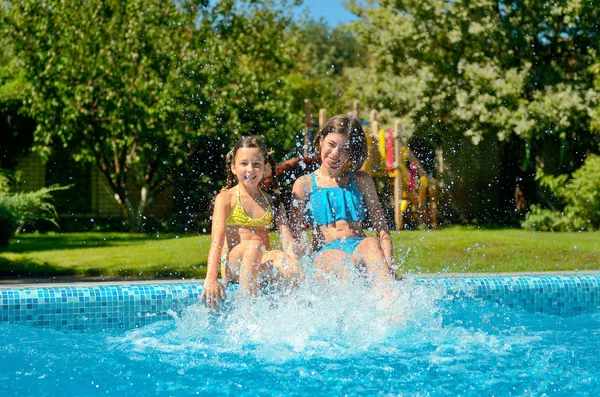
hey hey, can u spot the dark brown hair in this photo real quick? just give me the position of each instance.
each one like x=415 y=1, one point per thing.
x=351 y=129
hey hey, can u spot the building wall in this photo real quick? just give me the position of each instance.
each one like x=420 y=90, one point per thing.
x=103 y=203
x=33 y=173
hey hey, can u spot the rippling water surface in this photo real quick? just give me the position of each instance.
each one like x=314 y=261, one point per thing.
x=317 y=341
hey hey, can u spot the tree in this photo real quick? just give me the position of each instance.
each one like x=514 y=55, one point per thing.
x=16 y=127
x=150 y=90
x=578 y=197
x=324 y=54
x=484 y=70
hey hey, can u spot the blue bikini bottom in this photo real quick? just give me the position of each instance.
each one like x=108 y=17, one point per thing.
x=347 y=244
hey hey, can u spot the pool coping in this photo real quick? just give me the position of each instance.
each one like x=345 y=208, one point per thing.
x=73 y=281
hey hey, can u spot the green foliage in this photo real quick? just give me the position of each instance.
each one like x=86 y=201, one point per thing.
x=16 y=209
x=16 y=126
x=318 y=74
x=495 y=73
x=580 y=196
x=480 y=68
x=149 y=90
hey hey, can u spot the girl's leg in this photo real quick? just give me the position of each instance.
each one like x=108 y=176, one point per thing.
x=368 y=254
x=246 y=260
x=280 y=268
x=332 y=261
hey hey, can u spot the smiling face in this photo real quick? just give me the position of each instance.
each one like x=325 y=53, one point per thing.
x=349 y=129
x=249 y=166
x=335 y=152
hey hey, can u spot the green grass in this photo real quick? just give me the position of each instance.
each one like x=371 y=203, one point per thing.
x=468 y=249
x=106 y=255
x=141 y=256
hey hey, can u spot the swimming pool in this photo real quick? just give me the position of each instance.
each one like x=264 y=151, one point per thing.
x=520 y=335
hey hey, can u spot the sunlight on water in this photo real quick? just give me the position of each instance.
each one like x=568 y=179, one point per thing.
x=320 y=339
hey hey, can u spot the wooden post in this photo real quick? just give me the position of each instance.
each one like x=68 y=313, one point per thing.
x=356 y=109
x=370 y=161
x=433 y=203
x=437 y=184
x=307 y=124
x=374 y=148
x=322 y=118
x=422 y=204
x=398 y=219
x=373 y=117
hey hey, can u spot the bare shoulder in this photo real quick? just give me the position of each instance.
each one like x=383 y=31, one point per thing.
x=362 y=178
x=302 y=185
x=224 y=199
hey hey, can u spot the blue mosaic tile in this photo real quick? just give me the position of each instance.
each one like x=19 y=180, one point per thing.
x=562 y=295
x=105 y=307
x=95 y=308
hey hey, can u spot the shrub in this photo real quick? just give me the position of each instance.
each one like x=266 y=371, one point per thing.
x=16 y=209
x=580 y=196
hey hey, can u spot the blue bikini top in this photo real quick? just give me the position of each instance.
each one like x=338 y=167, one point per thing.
x=329 y=204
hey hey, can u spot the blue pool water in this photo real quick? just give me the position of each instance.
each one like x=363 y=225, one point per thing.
x=469 y=336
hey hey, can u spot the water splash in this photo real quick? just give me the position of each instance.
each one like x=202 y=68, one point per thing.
x=332 y=320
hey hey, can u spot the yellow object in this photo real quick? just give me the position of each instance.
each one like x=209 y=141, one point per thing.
x=404 y=153
x=382 y=150
x=238 y=216
x=424 y=180
x=403 y=205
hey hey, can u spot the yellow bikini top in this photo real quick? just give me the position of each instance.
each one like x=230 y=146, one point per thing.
x=238 y=216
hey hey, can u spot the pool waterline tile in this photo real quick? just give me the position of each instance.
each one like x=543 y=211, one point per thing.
x=93 y=308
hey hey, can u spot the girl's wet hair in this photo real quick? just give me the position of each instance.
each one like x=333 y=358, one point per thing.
x=250 y=141
x=351 y=129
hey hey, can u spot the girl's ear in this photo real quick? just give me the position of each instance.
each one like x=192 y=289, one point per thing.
x=320 y=144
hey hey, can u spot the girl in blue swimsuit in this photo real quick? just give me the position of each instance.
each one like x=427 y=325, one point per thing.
x=336 y=198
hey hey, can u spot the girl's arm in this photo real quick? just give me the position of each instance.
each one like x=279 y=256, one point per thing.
x=290 y=246
x=213 y=290
x=283 y=225
x=300 y=193
x=367 y=186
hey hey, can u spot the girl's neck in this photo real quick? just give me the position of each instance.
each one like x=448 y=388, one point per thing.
x=251 y=190
x=332 y=174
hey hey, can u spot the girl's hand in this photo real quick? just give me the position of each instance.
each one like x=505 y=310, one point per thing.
x=300 y=249
x=213 y=292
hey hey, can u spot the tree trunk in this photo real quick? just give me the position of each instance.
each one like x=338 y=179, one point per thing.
x=135 y=213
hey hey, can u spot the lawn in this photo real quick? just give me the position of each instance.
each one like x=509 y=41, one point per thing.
x=469 y=249
x=142 y=256
x=109 y=255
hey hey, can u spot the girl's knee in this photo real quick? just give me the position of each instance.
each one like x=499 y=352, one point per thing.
x=369 y=246
x=252 y=249
x=371 y=243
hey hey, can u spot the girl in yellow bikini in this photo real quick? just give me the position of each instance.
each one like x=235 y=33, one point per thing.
x=242 y=218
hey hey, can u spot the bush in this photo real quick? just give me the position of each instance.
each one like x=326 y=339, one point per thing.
x=8 y=222
x=16 y=209
x=580 y=196
x=545 y=220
